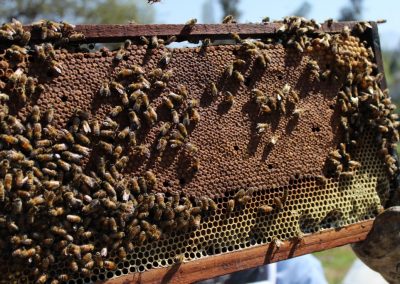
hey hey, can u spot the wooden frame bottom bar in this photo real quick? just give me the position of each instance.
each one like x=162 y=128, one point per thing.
x=226 y=263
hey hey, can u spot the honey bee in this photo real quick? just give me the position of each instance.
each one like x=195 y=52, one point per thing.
x=213 y=89
x=74 y=218
x=16 y=124
x=273 y=140
x=143 y=150
x=153 y=42
x=117 y=87
x=236 y=37
x=8 y=181
x=195 y=116
x=150 y=115
x=195 y=221
x=24 y=253
x=168 y=103
x=4 y=97
x=261 y=127
x=191 y=23
x=119 y=55
x=9 y=139
x=73 y=157
x=206 y=42
x=265 y=209
x=230 y=206
x=2 y=192
x=58 y=211
x=107 y=147
x=159 y=84
x=238 y=76
x=346 y=32
x=228 y=20
x=151 y=179
x=278 y=202
x=229 y=98
x=347 y=174
x=175 y=116
x=110 y=265
x=105 y=90
x=170 y=39
x=321 y=180
x=229 y=70
x=165 y=59
x=297 y=112
x=134 y=119
x=35 y=114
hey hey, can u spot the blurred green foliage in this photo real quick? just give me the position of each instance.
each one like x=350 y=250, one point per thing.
x=77 y=11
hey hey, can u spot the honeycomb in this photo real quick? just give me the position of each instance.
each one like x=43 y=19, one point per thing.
x=279 y=157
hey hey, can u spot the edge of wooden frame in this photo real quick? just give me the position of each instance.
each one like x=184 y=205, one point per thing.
x=115 y=33
x=226 y=263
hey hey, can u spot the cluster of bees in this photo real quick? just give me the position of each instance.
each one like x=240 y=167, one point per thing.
x=56 y=207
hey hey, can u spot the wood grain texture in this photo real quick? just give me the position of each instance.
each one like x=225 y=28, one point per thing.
x=115 y=33
x=247 y=258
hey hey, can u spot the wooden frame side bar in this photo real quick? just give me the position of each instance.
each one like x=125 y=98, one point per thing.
x=213 y=266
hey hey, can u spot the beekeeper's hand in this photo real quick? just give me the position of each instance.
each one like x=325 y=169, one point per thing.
x=381 y=249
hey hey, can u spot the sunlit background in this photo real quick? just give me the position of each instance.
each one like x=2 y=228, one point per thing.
x=336 y=262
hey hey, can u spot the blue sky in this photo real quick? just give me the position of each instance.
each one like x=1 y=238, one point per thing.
x=179 y=11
